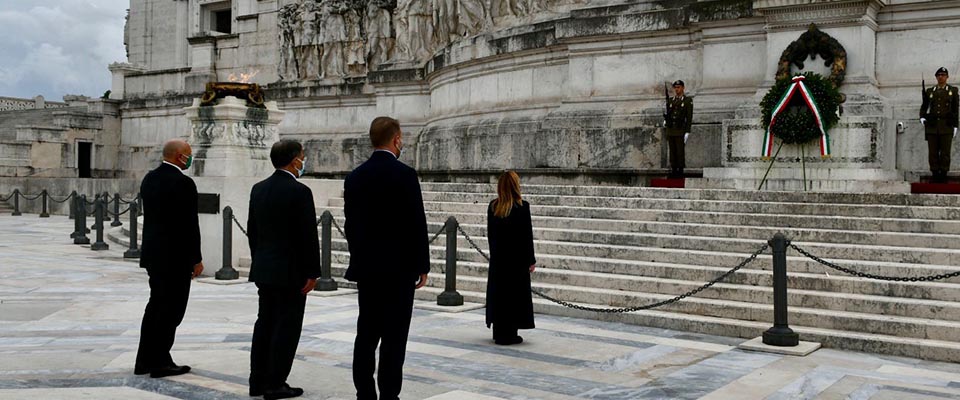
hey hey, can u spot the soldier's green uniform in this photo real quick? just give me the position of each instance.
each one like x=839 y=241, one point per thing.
x=678 y=123
x=940 y=111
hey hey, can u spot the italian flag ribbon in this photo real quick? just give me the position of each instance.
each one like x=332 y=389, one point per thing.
x=796 y=87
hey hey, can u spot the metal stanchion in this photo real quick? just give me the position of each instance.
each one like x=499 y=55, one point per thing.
x=45 y=197
x=16 y=203
x=81 y=221
x=100 y=210
x=780 y=334
x=450 y=296
x=227 y=272
x=73 y=204
x=116 y=211
x=134 y=250
x=326 y=282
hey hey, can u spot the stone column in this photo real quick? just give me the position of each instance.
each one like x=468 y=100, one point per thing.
x=231 y=151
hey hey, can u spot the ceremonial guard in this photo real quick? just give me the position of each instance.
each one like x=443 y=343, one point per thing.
x=677 y=119
x=938 y=115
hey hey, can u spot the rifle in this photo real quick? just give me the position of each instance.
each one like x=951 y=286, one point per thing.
x=923 y=86
x=666 y=102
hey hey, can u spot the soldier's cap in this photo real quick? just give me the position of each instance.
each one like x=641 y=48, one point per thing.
x=678 y=83
x=942 y=70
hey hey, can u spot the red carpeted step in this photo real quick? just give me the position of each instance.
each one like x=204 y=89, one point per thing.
x=673 y=183
x=934 y=188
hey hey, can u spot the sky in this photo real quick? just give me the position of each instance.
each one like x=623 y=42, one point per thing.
x=58 y=47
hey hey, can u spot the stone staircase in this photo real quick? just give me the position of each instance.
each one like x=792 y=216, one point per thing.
x=621 y=247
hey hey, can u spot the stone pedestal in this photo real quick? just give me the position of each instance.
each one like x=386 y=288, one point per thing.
x=231 y=152
x=863 y=142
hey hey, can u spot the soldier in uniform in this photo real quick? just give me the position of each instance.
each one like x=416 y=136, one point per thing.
x=938 y=115
x=679 y=118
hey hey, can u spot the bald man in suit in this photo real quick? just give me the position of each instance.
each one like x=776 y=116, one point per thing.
x=171 y=256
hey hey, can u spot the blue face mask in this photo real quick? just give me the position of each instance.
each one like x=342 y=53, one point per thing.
x=303 y=167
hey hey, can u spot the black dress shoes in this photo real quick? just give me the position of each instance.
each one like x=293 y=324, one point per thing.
x=509 y=341
x=256 y=392
x=284 y=392
x=173 y=370
x=138 y=370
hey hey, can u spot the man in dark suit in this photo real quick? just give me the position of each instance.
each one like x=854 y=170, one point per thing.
x=678 y=123
x=285 y=246
x=171 y=256
x=939 y=114
x=389 y=258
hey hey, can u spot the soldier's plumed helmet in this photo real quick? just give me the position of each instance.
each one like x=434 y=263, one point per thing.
x=678 y=83
x=942 y=70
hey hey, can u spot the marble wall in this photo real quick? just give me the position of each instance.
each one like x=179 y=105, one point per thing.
x=575 y=86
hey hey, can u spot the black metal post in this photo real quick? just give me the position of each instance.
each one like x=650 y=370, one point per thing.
x=73 y=204
x=81 y=234
x=76 y=220
x=44 y=198
x=116 y=211
x=326 y=282
x=100 y=211
x=227 y=272
x=133 y=251
x=16 y=203
x=780 y=334
x=450 y=296
x=139 y=201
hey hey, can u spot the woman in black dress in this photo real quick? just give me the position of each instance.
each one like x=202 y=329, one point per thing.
x=510 y=233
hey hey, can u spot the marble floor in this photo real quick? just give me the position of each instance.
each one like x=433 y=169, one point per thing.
x=70 y=317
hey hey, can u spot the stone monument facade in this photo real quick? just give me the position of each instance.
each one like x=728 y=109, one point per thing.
x=563 y=90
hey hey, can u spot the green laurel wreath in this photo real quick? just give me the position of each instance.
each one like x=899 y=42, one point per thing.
x=796 y=125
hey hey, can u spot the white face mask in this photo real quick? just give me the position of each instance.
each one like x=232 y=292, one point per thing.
x=303 y=167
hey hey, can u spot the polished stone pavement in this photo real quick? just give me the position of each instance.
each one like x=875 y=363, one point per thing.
x=70 y=317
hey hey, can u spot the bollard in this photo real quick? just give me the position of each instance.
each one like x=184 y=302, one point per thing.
x=16 y=203
x=450 y=296
x=81 y=234
x=116 y=211
x=227 y=272
x=780 y=334
x=45 y=198
x=100 y=211
x=326 y=282
x=73 y=204
x=139 y=201
x=76 y=221
x=133 y=251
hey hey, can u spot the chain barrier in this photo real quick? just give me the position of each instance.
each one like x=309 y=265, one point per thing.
x=7 y=198
x=693 y=292
x=113 y=214
x=235 y=221
x=928 y=278
x=339 y=229
x=66 y=199
x=122 y=201
x=28 y=198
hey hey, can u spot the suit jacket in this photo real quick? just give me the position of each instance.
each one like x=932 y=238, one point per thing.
x=386 y=226
x=940 y=107
x=282 y=232
x=679 y=116
x=171 y=228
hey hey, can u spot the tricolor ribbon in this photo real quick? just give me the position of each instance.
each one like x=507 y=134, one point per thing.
x=796 y=87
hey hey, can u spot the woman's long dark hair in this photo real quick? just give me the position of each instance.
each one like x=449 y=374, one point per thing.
x=508 y=194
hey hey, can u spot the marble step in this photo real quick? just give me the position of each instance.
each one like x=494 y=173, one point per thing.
x=754 y=207
x=705 y=194
x=439 y=211
x=748 y=312
x=934 y=350
x=746 y=286
x=811 y=278
x=575 y=239
x=901 y=239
